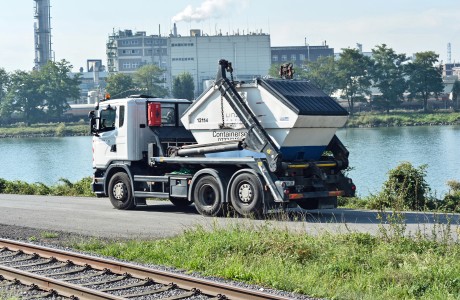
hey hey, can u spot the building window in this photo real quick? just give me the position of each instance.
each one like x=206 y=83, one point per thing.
x=182 y=45
x=275 y=58
x=183 y=58
x=284 y=57
x=302 y=57
x=293 y=57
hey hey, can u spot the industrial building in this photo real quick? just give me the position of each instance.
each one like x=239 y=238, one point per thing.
x=299 y=54
x=197 y=54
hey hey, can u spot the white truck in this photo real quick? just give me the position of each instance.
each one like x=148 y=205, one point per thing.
x=241 y=147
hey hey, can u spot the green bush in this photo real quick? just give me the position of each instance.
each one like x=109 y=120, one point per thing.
x=60 y=129
x=451 y=202
x=405 y=189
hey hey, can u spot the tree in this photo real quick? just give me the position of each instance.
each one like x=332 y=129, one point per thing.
x=4 y=82
x=183 y=86
x=24 y=96
x=352 y=76
x=58 y=87
x=149 y=78
x=425 y=79
x=455 y=93
x=322 y=73
x=120 y=85
x=387 y=74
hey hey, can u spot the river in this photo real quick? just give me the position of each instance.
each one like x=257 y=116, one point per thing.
x=373 y=152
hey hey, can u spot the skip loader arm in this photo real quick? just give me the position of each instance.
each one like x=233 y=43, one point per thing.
x=257 y=138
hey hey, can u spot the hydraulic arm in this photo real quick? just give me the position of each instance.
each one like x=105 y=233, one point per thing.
x=257 y=138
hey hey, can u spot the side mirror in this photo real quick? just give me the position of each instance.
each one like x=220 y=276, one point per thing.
x=93 y=124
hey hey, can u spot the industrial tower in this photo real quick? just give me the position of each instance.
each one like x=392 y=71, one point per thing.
x=42 y=27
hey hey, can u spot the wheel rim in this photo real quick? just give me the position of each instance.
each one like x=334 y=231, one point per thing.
x=207 y=195
x=119 y=191
x=245 y=193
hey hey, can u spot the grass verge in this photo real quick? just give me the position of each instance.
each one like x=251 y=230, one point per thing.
x=339 y=266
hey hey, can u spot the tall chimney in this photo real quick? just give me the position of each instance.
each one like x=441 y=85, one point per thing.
x=42 y=33
x=175 y=30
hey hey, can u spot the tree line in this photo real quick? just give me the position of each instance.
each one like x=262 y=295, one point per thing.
x=43 y=95
x=38 y=95
x=394 y=75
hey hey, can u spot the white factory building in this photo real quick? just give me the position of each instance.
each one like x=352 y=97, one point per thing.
x=197 y=54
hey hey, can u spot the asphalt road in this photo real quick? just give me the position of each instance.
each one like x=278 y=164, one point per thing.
x=97 y=217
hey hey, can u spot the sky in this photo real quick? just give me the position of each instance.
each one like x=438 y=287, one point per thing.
x=80 y=28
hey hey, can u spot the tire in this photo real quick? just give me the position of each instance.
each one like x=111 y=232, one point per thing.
x=207 y=197
x=246 y=195
x=180 y=202
x=120 y=192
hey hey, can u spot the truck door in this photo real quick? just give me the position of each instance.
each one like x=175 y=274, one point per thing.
x=104 y=143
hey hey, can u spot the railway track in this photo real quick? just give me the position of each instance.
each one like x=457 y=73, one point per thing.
x=37 y=272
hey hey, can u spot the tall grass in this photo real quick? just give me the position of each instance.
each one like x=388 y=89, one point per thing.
x=63 y=188
x=338 y=266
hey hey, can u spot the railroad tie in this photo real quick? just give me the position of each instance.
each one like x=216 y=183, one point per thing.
x=152 y=292
x=125 y=287
x=34 y=256
x=16 y=253
x=39 y=263
x=103 y=272
x=193 y=292
x=69 y=272
x=119 y=278
x=61 y=265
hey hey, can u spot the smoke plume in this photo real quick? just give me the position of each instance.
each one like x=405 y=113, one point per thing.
x=207 y=9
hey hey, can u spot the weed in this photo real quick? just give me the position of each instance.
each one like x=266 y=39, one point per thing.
x=49 y=235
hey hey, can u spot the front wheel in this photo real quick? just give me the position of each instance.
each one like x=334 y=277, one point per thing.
x=246 y=195
x=207 y=197
x=120 y=192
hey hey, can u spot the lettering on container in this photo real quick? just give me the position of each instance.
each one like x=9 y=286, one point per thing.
x=222 y=136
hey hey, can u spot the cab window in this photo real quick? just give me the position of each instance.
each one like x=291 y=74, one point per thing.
x=168 y=116
x=121 y=117
x=107 y=120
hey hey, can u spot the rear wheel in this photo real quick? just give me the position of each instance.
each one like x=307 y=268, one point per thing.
x=246 y=195
x=180 y=202
x=120 y=192
x=207 y=196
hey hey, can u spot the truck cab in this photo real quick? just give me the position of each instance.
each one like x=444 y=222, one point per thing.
x=122 y=129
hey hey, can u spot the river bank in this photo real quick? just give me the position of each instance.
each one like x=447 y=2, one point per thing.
x=402 y=119
x=361 y=120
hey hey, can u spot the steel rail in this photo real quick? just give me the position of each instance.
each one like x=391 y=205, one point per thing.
x=207 y=287
x=61 y=287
